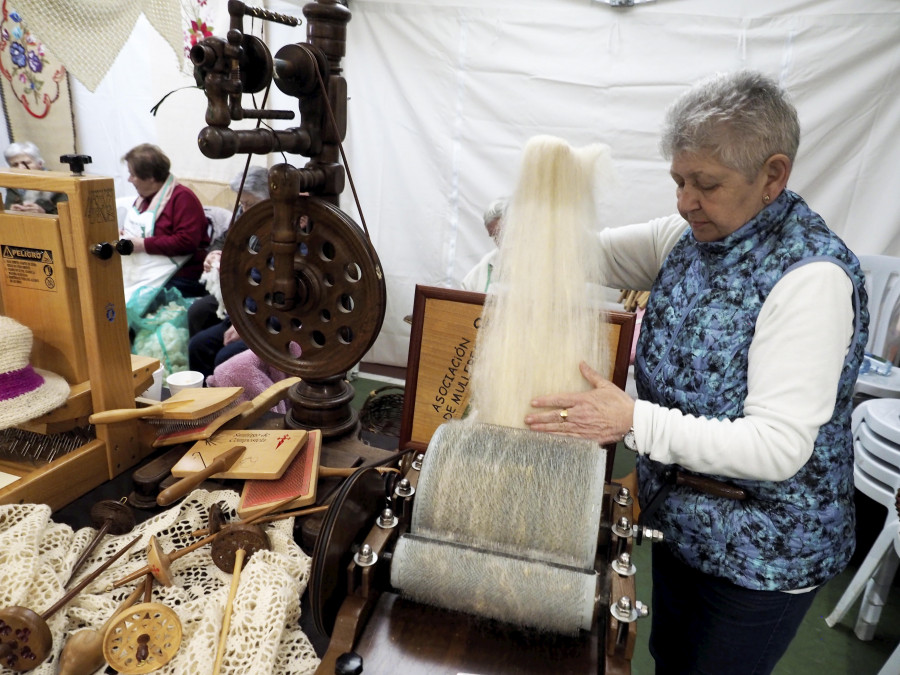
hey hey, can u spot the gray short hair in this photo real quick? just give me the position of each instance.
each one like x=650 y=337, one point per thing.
x=23 y=148
x=742 y=118
x=495 y=210
x=256 y=183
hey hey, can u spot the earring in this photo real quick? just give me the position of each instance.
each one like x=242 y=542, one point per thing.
x=766 y=199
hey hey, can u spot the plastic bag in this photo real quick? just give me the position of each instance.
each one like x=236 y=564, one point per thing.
x=160 y=326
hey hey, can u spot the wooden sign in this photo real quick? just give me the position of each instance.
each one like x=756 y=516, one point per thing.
x=441 y=346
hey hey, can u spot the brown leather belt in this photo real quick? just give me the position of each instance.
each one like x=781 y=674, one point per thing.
x=673 y=477
x=711 y=486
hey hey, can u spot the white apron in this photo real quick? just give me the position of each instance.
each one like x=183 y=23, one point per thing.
x=144 y=269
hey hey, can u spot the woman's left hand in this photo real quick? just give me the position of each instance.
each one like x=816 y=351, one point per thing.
x=603 y=414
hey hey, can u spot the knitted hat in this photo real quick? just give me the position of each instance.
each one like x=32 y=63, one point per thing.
x=25 y=392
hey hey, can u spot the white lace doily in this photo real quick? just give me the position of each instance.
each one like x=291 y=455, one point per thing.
x=36 y=555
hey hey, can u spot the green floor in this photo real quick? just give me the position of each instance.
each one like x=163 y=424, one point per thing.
x=817 y=649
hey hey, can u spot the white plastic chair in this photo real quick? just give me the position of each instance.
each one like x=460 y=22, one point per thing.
x=876 y=473
x=883 y=288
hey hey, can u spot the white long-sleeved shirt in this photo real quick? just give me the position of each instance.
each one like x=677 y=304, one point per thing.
x=802 y=336
x=478 y=278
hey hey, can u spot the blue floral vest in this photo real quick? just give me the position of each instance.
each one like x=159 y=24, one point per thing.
x=692 y=356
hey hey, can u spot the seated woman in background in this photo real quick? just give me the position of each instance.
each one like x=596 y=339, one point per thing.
x=25 y=155
x=213 y=338
x=166 y=224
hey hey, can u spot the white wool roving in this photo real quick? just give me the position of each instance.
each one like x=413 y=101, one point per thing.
x=211 y=281
x=505 y=525
x=541 y=316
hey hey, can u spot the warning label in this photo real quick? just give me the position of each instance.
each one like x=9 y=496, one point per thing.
x=29 y=267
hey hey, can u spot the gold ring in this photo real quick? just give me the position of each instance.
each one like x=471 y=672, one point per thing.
x=564 y=414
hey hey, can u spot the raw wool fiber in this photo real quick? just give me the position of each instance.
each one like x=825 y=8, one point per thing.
x=505 y=526
x=513 y=491
x=542 y=316
x=37 y=554
x=163 y=334
x=521 y=592
x=211 y=281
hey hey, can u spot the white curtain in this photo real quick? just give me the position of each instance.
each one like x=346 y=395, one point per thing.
x=444 y=94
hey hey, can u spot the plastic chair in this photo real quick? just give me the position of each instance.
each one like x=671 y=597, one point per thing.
x=876 y=473
x=883 y=288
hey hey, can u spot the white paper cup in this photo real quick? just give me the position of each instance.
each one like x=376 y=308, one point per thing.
x=185 y=379
x=155 y=391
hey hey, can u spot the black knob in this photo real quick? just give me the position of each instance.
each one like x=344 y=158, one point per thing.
x=76 y=162
x=348 y=663
x=103 y=251
x=125 y=246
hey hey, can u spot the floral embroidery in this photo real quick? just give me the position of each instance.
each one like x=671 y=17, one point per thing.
x=196 y=16
x=25 y=64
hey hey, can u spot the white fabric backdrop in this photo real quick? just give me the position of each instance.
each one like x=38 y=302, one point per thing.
x=444 y=94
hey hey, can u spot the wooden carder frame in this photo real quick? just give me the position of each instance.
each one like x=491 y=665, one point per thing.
x=441 y=344
x=55 y=279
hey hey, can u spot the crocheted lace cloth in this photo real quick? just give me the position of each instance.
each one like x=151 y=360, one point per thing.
x=88 y=35
x=37 y=554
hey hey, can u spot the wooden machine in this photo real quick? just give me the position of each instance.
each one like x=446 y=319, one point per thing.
x=298 y=272
x=363 y=586
x=61 y=277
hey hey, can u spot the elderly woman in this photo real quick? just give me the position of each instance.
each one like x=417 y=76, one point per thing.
x=166 y=224
x=25 y=155
x=751 y=343
x=478 y=279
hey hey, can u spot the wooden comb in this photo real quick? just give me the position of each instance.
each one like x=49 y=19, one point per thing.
x=187 y=404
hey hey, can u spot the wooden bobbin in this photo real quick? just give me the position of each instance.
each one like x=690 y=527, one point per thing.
x=25 y=639
x=83 y=651
x=107 y=517
x=142 y=638
x=235 y=537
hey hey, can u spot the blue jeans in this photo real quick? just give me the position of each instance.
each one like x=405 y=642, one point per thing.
x=705 y=625
x=207 y=349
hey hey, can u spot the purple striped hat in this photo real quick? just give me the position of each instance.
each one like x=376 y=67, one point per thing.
x=25 y=392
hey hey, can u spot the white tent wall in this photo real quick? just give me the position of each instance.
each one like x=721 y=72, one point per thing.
x=444 y=95
x=117 y=115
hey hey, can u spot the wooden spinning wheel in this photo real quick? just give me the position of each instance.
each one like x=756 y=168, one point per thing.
x=340 y=290
x=142 y=639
